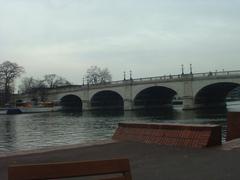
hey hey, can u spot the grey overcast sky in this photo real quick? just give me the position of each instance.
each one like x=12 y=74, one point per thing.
x=149 y=37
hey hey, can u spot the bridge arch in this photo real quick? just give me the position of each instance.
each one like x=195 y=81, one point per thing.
x=154 y=97
x=214 y=94
x=107 y=99
x=71 y=102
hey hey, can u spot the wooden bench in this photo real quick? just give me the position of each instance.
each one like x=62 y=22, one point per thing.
x=118 y=168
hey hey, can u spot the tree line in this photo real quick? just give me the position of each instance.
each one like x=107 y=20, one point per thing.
x=9 y=71
x=37 y=88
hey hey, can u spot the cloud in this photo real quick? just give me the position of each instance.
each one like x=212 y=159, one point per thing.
x=150 y=38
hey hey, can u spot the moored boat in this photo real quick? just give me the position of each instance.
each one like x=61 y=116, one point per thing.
x=39 y=109
x=29 y=107
x=5 y=111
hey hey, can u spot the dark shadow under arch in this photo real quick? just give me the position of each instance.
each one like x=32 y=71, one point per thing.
x=107 y=100
x=154 y=97
x=214 y=95
x=71 y=103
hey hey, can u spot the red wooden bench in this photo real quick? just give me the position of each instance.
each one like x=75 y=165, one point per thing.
x=119 y=169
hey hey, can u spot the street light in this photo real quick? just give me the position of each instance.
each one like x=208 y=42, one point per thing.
x=190 y=68
x=182 y=69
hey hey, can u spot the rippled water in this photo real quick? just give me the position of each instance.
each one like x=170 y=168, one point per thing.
x=34 y=131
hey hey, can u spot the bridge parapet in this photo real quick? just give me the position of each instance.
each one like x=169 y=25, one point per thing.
x=180 y=77
x=165 y=78
x=63 y=89
x=216 y=74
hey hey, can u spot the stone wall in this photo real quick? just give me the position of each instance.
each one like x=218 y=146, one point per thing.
x=183 y=135
x=233 y=125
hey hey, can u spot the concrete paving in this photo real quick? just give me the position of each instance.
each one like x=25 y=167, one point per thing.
x=148 y=161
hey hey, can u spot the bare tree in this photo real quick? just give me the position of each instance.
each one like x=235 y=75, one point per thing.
x=37 y=89
x=53 y=81
x=27 y=84
x=96 y=75
x=30 y=84
x=105 y=76
x=9 y=71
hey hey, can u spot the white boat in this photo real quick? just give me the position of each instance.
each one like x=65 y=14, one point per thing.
x=3 y=111
x=39 y=109
x=20 y=110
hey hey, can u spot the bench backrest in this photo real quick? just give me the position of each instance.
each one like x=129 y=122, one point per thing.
x=120 y=167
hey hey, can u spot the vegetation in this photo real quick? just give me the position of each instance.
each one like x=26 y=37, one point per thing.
x=30 y=84
x=96 y=75
x=38 y=88
x=53 y=81
x=9 y=71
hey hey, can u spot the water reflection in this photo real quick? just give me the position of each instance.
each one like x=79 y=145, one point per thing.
x=7 y=133
x=33 y=131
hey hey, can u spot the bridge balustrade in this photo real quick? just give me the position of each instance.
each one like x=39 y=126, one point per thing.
x=217 y=73
x=163 y=78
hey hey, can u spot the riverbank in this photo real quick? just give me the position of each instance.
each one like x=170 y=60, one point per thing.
x=148 y=161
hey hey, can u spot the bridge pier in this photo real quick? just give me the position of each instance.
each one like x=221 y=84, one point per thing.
x=188 y=103
x=128 y=105
x=188 y=99
x=86 y=105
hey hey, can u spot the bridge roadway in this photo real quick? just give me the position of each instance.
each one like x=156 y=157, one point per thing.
x=195 y=90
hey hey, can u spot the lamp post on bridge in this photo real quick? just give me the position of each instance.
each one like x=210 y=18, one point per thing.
x=130 y=74
x=190 y=68
x=182 y=69
x=124 y=75
x=83 y=81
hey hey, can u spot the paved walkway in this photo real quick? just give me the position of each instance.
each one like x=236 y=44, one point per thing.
x=230 y=145
x=148 y=161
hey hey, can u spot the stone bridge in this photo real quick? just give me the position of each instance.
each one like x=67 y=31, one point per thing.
x=195 y=90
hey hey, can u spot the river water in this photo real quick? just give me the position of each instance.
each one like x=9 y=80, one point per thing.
x=37 y=131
